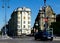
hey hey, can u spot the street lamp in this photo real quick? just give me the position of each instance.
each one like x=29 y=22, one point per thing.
x=46 y=26
x=4 y=6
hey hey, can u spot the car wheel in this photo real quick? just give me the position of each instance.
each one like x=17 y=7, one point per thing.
x=51 y=39
x=35 y=39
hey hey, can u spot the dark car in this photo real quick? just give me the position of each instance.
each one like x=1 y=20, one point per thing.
x=43 y=36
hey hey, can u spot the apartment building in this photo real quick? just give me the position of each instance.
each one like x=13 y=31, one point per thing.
x=20 y=21
x=40 y=19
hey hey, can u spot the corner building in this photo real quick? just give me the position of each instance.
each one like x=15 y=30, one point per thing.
x=40 y=19
x=20 y=22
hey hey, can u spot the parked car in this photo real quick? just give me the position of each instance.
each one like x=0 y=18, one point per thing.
x=43 y=36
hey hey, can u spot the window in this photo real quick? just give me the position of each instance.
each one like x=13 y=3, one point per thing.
x=19 y=30
x=18 y=17
x=28 y=22
x=18 y=26
x=18 y=22
x=24 y=17
x=18 y=13
x=24 y=22
x=52 y=15
x=28 y=13
x=24 y=26
x=28 y=26
x=28 y=17
x=50 y=33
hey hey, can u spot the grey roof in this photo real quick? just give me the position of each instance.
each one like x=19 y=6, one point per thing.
x=22 y=9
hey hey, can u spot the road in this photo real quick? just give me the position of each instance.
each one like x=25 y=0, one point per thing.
x=26 y=40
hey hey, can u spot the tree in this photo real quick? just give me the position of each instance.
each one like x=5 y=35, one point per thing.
x=0 y=33
x=56 y=26
x=58 y=18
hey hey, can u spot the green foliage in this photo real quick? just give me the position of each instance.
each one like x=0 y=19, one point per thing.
x=56 y=28
x=0 y=33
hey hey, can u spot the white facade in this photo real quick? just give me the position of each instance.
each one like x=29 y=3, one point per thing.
x=24 y=21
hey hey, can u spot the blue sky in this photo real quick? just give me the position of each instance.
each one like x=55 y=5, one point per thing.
x=34 y=5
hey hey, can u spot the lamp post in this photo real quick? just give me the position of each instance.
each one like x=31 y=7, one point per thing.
x=4 y=6
x=46 y=26
x=5 y=18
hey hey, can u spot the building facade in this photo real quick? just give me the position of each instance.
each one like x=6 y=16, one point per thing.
x=40 y=19
x=20 y=21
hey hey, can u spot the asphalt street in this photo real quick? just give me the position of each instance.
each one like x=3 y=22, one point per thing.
x=27 y=40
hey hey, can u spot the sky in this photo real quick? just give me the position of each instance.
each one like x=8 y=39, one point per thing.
x=34 y=5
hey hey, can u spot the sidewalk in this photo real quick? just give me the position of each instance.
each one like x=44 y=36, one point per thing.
x=4 y=37
x=56 y=38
